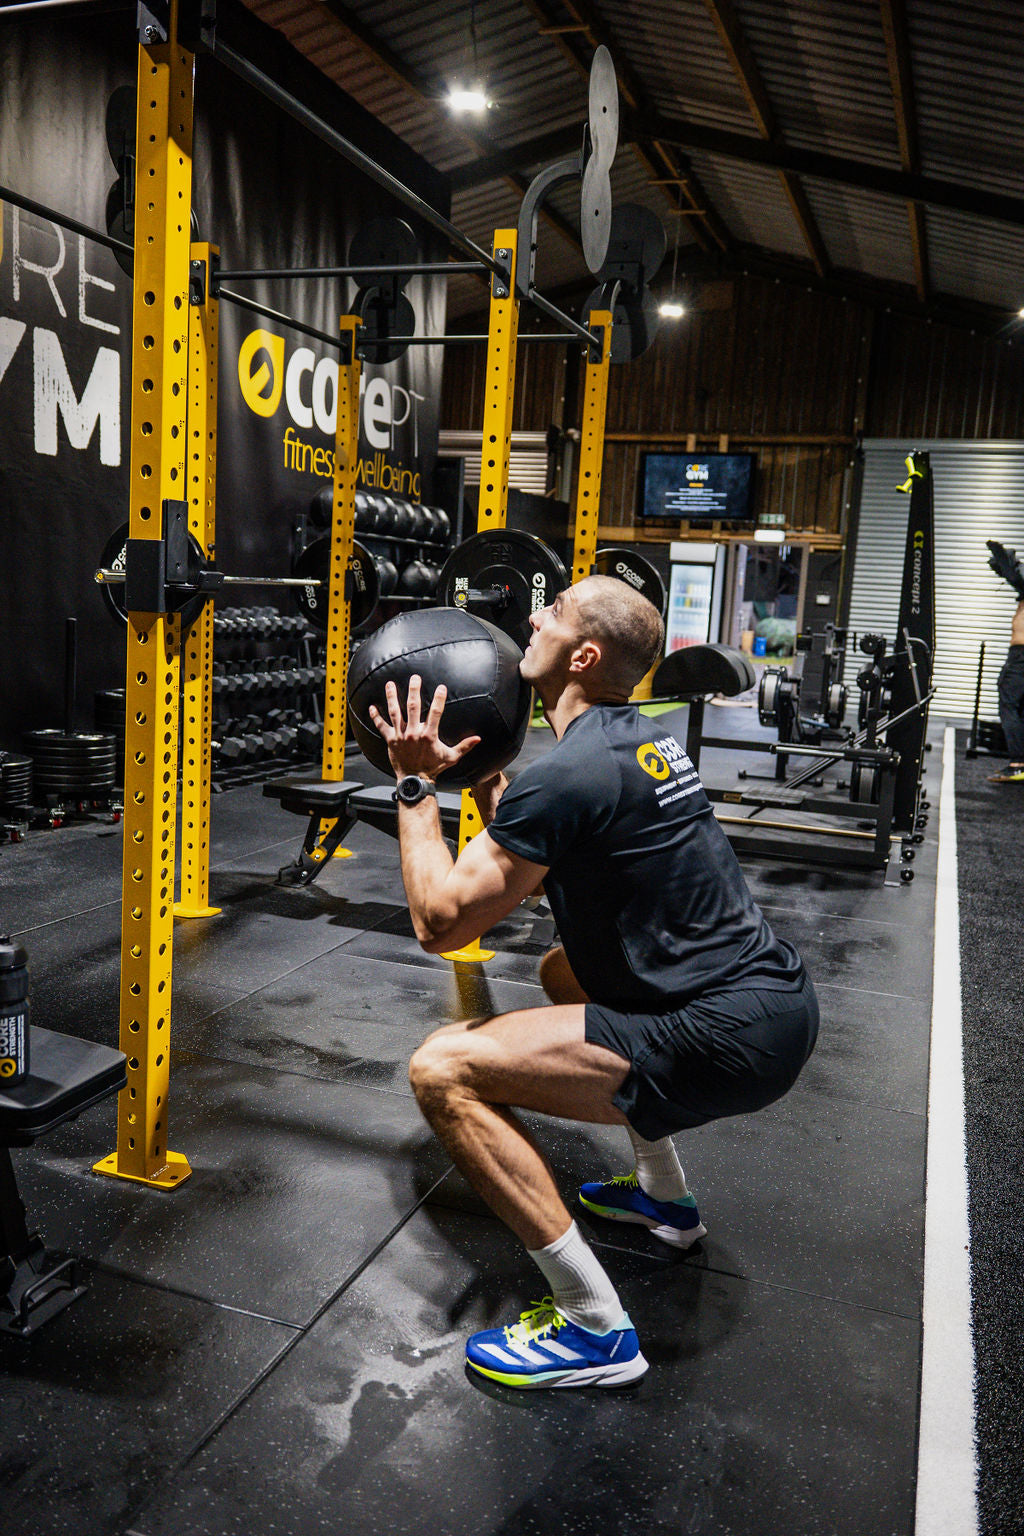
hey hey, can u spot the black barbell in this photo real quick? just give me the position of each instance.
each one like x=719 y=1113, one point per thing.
x=501 y=574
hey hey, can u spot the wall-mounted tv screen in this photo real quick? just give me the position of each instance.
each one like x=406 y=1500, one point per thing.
x=704 y=488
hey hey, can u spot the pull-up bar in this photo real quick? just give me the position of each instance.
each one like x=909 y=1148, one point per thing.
x=415 y=269
x=65 y=222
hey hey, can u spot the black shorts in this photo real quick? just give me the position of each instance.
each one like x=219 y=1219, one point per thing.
x=727 y=1053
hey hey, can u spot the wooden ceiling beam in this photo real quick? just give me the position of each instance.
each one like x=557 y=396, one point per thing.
x=901 y=80
x=756 y=95
x=824 y=166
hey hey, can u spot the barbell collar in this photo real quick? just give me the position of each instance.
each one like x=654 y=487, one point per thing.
x=484 y=597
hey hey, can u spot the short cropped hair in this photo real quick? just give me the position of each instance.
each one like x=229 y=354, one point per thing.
x=624 y=623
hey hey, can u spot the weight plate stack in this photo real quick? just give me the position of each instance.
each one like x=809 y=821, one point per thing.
x=72 y=765
x=15 y=782
x=108 y=716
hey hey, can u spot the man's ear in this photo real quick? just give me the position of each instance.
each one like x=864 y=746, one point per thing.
x=585 y=657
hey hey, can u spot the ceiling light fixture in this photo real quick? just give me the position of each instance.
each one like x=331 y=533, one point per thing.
x=467 y=99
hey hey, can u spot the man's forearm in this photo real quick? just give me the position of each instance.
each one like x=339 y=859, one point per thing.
x=426 y=864
x=487 y=796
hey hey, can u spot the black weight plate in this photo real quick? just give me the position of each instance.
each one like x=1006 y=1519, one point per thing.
x=314 y=564
x=383 y=243
x=637 y=241
x=865 y=783
x=51 y=740
x=381 y=320
x=636 y=571
x=503 y=557
x=768 y=698
x=120 y=122
x=635 y=320
x=113 y=559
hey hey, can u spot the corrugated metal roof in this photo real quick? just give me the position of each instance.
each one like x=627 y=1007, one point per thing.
x=799 y=74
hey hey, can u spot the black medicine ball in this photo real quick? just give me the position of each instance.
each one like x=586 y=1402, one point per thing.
x=478 y=664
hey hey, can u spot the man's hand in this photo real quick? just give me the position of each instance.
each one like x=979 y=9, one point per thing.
x=413 y=744
x=1005 y=563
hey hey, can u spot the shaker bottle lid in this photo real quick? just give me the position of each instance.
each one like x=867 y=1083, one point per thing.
x=11 y=954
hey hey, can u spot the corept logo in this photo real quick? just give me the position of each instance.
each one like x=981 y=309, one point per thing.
x=7 y=1067
x=261 y=364
x=652 y=762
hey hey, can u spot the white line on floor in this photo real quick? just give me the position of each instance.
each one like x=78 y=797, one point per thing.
x=947 y=1463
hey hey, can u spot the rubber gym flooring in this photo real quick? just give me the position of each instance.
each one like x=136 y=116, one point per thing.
x=277 y=1346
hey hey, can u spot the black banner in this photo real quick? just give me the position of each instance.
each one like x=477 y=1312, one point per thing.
x=269 y=195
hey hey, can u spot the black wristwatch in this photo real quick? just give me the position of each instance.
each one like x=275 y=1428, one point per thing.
x=412 y=789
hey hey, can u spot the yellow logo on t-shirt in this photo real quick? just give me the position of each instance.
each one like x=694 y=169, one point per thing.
x=652 y=762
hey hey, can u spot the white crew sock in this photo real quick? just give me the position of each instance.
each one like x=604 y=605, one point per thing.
x=583 y=1292
x=657 y=1167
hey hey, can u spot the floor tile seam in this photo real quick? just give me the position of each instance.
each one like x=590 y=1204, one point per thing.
x=412 y=965
x=836 y=917
x=799 y=1091
x=731 y=1274
x=68 y=917
x=118 y=1272
x=896 y=997
x=302 y=1332
x=312 y=959
x=280 y=1071
x=814 y=1295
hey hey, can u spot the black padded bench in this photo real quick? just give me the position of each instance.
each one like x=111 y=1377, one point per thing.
x=66 y=1076
x=319 y=800
x=379 y=809
x=695 y=672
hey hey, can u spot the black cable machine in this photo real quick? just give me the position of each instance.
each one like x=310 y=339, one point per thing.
x=886 y=754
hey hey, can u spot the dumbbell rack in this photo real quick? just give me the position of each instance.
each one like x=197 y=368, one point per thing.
x=390 y=547
x=267 y=684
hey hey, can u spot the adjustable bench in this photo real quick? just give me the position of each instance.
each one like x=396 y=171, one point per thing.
x=67 y=1076
x=693 y=673
x=320 y=800
x=379 y=808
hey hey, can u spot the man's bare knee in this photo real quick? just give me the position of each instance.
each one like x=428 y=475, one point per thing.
x=433 y=1069
x=558 y=978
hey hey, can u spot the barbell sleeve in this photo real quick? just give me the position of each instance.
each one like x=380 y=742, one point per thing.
x=110 y=578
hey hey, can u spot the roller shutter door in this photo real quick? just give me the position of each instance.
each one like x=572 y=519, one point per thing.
x=528 y=458
x=979 y=495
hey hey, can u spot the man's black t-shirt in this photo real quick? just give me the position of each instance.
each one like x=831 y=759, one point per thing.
x=646 y=891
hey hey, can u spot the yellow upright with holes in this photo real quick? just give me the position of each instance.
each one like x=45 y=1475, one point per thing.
x=197 y=658
x=343 y=525
x=159 y=354
x=595 y=410
x=499 y=395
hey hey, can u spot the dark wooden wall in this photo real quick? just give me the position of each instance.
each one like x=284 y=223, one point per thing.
x=794 y=375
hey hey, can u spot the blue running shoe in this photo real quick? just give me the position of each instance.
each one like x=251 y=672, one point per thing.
x=621 y=1199
x=544 y=1349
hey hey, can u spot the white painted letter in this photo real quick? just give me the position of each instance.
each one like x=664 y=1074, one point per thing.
x=11 y=332
x=85 y=277
x=377 y=413
x=18 y=261
x=300 y=362
x=326 y=376
x=101 y=399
